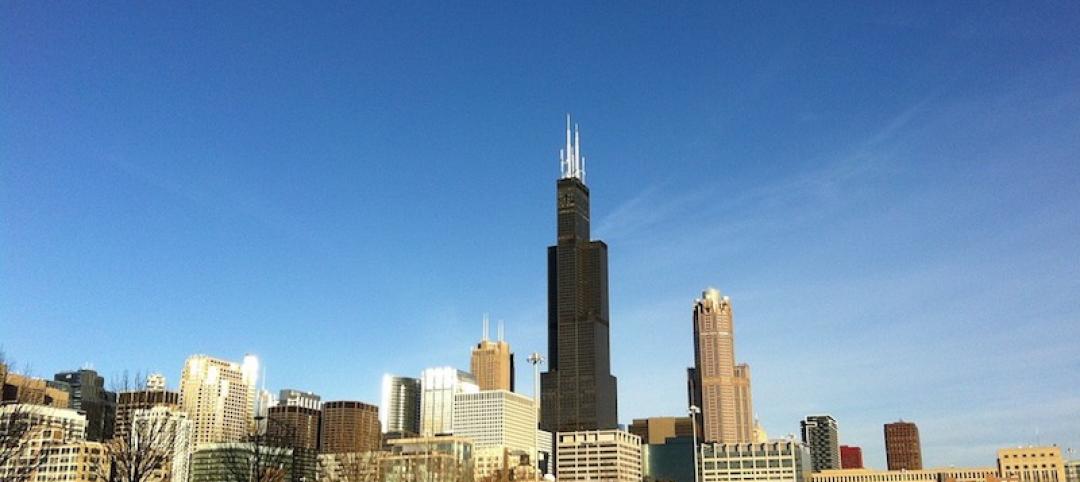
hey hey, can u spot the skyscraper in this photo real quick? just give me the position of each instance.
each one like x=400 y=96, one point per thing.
x=155 y=395
x=578 y=391
x=400 y=406
x=89 y=397
x=437 y=389
x=902 y=448
x=216 y=395
x=492 y=363
x=719 y=387
x=821 y=434
x=349 y=426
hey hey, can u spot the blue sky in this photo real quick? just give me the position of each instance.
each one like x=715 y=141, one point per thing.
x=888 y=193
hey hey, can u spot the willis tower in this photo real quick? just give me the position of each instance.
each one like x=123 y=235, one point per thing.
x=578 y=391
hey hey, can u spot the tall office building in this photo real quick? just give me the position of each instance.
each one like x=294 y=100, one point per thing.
x=502 y=426
x=168 y=430
x=821 y=434
x=719 y=386
x=400 y=406
x=297 y=398
x=902 y=448
x=492 y=363
x=297 y=428
x=850 y=457
x=437 y=389
x=349 y=426
x=216 y=394
x=155 y=395
x=89 y=397
x=578 y=391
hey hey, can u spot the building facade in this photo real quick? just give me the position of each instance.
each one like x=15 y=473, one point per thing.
x=168 y=430
x=492 y=363
x=1072 y=471
x=720 y=387
x=608 y=455
x=443 y=459
x=34 y=391
x=902 y=448
x=502 y=425
x=578 y=392
x=772 y=461
x=1031 y=464
x=850 y=457
x=349 y=426
x=40 y=440
x=656 y=430
x=438 y=386
x=670 y=461
x=296 y=398
x=88 y=395
x=821 y=434
x=234 y=461
x=217 y=396
x=400 y=406
x=128 y=402
x=978 y=474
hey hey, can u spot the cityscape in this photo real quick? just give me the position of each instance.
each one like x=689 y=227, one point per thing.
x=564 y=382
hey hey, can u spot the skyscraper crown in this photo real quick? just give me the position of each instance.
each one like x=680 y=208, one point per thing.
x=570 y=159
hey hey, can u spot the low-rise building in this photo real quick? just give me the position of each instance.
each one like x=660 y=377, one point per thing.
x=951 y=474
x=1072 y=471
x=1031 y=464
x=445 y=459
x=350 y=466
x=671 y=461
x=610 y=455
x=785 y=460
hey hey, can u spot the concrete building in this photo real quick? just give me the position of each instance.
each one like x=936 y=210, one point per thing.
x=443 y=459
x=155 y=395
x=609 y=455
x=234 y=461
x=1031 y=464
x=850 y=457
x=400 y=414
x=772 y=461
x=978 y=474
x=1072 y=471
x=35 y=391
x=438 y=386
x=656 y=430
x=349 y=426
x=48 y=440
x=670 y=461
x=502 y=426
x=88 y=395
x=902 y=448
x=218 y=397
x=578 y=391
x=169 y=431
x=296 y=398
x=492 y=363
x=820 y=433
x=719 y=386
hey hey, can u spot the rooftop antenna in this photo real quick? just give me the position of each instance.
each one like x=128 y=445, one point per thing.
x=500 y=330
x=571 y=162
x=485 y=337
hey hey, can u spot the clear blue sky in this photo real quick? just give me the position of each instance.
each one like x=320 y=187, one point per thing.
x=890 y=194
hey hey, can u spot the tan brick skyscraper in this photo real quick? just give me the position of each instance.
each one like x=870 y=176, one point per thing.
x=492 y=364
x=718 y=386
x=348 y=426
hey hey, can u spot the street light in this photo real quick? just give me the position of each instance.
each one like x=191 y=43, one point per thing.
x=694 y=411
x=536 y=359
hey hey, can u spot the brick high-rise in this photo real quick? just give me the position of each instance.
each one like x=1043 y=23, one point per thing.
x=492 y=363
x=850 y=457
x=718 y=386
x=348 y=426
x=902 y=448
x=578 y=391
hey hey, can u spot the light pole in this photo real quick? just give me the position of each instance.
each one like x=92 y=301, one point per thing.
x=536 y=359
x=694 y=411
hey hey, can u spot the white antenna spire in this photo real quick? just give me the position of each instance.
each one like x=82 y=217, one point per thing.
x=485 y=327
x=500 y=330
x=571 y=162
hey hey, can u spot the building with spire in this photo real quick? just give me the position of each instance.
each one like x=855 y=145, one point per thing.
x=719 y=386
x=492 y=363
x=578 y=391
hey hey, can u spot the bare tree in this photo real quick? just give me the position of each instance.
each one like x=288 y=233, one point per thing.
x=148 y=449
x=266 y=456
x=22 y=447
x=352 y=466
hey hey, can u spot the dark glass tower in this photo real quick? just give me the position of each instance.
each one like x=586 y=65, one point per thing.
x=578 y=391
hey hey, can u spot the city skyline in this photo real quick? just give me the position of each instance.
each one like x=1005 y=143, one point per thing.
x=921 y=217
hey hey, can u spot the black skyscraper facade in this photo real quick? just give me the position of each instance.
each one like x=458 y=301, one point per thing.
x=89 y=397
x=578 y=391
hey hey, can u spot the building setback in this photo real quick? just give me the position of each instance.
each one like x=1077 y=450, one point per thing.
x=349 y=426
x=902 y=448
x=820 y=433
x=578 y=391
x=850 y=457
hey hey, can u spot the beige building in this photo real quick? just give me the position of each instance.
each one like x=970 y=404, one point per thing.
x=502 y=426
x=607 y=455
x=170 y=430
x=350 y=466
x=218 y=397
x=718 y=386
x=129 y=402
x=1072 y=471
x=656 y=430
x=492 y=364
x=23 y=389
x=1032 y=464
x=442 y=459
x=951 y=474
x=784 y=460
x=51 y=444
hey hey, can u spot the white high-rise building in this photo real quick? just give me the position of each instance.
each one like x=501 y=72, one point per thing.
x=170 y=429
x=502 y=425
x=218 y=399
x=610 y=455
x=400 y=410
x=438 y=386
x=54 y=437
